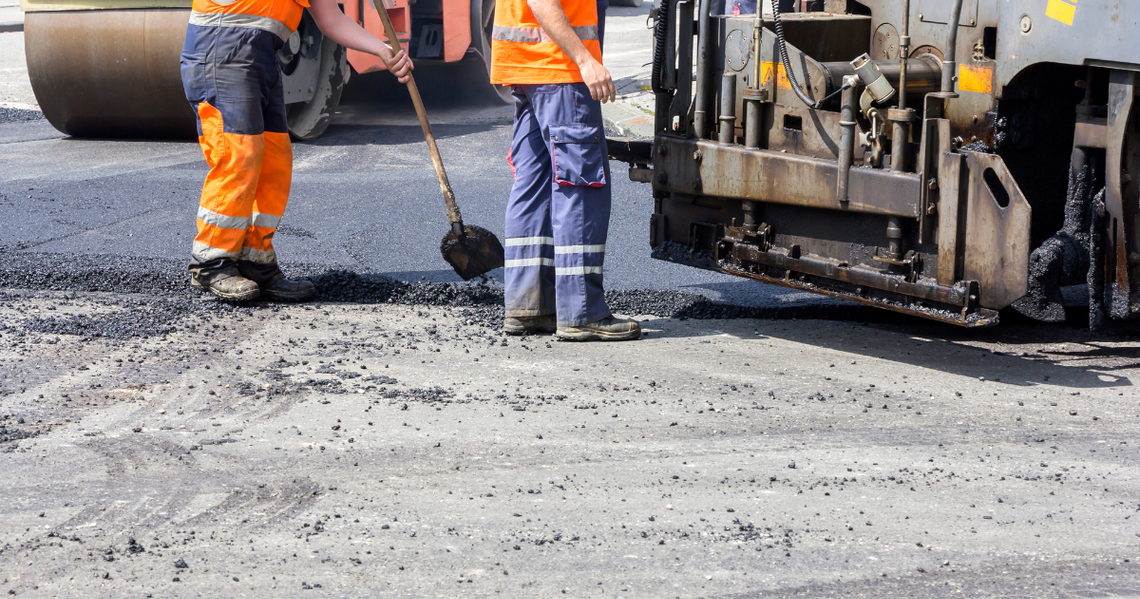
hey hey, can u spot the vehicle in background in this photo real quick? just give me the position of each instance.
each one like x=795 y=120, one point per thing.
x=109 y=68
x=948 y=159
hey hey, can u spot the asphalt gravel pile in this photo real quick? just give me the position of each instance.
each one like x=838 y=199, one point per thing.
x=19 y=115
x=346 y=286
x=675 y=252
x=156 y=318
x=684 y=306
x=66 y=272
x=14 y=434
x=478 y=303
x=428 y=395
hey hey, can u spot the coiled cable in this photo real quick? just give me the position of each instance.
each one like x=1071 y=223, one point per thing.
x=660 y=37
x=783 y=45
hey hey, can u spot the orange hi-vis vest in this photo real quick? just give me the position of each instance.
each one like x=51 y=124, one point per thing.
x=522 y=53
x=280 y=17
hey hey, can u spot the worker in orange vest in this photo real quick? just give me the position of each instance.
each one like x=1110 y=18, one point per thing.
x=232 y=79
x=558 y=214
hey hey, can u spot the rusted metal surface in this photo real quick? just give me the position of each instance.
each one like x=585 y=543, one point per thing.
x=1122 y=103
x=951 y=204
x=935 y=141
x=997 y=236
x=836 y=271
x=775 y=177
x=631 y=150
x=801 y=131
x=935 y=222
x=924 y=75
x=830 y=39
x=970 y=318
x=1091 y=133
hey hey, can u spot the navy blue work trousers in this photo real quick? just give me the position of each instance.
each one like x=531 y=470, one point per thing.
x=559 y=211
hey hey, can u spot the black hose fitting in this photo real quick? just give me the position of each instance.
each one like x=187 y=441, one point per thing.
x=783 y=45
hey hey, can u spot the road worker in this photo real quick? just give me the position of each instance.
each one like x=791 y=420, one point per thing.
x=232 y=79
x=559 y=210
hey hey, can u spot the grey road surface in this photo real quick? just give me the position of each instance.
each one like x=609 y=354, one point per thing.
x=379 y=450
x=388 y=441
x=364 y=195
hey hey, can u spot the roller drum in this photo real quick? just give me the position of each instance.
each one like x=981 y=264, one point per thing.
x=110 y=73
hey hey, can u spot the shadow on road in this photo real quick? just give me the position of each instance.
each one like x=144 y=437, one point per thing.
x=392 y=135
x=1015 y=355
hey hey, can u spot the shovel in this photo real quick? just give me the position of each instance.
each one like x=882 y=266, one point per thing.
x=471 y=250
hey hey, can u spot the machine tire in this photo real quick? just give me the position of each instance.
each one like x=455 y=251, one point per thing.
x=633 y=3
x=482 y=22
x=110 y=73
x=308 y=120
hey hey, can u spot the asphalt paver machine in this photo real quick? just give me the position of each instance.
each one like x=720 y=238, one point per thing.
x=110 y=68
x=943 y=158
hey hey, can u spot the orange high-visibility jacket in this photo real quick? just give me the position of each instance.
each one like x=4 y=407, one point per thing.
x=276 y=16
x=522 y=53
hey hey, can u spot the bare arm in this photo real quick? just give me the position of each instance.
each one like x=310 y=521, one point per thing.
x=553 y=20
x=349 y=34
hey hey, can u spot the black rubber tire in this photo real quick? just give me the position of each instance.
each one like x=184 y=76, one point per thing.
x=482 y=47
x=308 y=120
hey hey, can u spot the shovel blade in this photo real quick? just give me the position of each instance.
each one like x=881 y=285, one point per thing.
x=479 y=253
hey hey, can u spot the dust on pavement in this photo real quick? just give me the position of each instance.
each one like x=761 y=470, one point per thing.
x=389 y=441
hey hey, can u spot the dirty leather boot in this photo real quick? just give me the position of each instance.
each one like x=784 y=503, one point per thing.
x=274 y=286
x=529 y=325
x=226 y=283
x=606 y=329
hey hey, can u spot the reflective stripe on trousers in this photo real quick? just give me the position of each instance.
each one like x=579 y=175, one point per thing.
x=232 y=80
x=218 y=19
x=559 y=209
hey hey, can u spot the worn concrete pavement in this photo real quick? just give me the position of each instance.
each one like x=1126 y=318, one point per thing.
x=389 y=441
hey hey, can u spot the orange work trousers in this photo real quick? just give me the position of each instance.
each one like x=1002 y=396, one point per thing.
x=233 y=82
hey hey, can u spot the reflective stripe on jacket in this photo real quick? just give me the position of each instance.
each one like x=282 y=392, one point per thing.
x=522 y=53
x=279 y=17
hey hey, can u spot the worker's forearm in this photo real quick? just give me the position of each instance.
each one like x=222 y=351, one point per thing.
x=345 y=31
x=552 y=18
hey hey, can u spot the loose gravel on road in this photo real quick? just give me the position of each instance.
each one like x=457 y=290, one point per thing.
x=388 y=440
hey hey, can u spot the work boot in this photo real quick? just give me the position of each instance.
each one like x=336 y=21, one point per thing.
x=606 y=329
x=274 y=286
x=280 y=289
x=529 y=325
x=226 y=283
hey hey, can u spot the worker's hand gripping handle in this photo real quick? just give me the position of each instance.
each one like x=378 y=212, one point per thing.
x=453 y=214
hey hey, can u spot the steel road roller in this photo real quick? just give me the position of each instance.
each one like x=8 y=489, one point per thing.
x=109 y=68
x=951 y=159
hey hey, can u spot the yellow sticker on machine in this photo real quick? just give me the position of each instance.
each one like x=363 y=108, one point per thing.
x=978 y=79
x=1062 y=10
x=768 y=72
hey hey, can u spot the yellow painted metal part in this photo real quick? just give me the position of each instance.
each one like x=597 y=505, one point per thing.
x=768 y=72
x=1062 y=11
x=978 y=79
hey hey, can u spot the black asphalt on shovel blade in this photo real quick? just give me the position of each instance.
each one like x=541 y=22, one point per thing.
x=478 y=254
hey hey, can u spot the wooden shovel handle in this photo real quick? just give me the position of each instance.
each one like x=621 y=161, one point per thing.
x=453 y=215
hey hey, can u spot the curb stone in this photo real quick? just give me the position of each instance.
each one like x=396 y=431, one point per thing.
x=624 y=120
x=632 y=114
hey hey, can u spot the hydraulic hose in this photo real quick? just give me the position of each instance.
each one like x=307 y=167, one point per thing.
x=660 y=38
x=779 y=26
x=950 y=61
